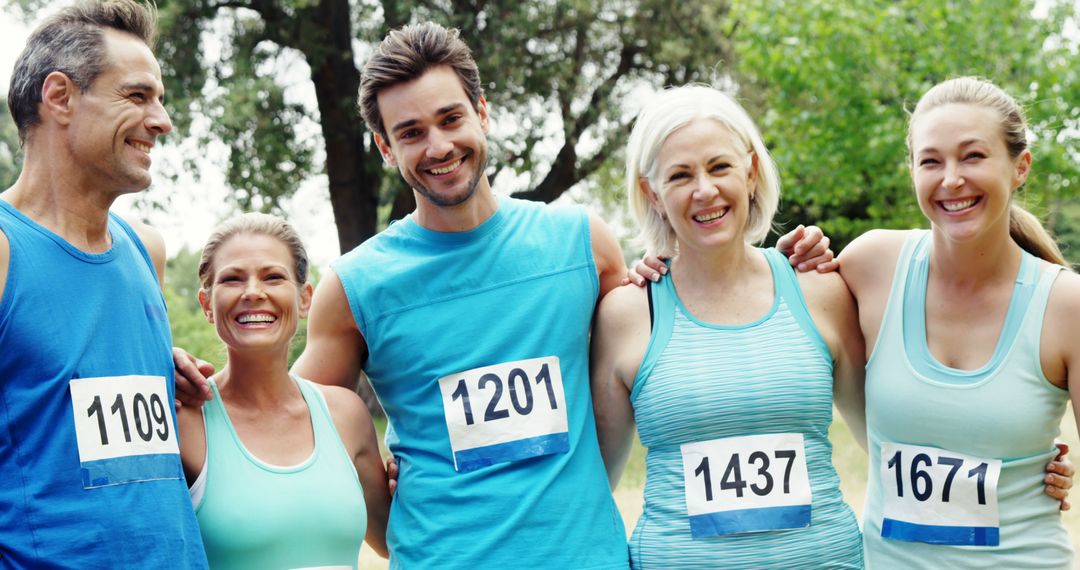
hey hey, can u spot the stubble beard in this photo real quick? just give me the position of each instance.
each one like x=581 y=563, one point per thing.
x=449 y=201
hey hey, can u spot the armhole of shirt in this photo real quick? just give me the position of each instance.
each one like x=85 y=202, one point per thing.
x=787 y=287
x=894 y=303
x=351 y=295
x=137 y=242
x=198 y=488
x=662 y=322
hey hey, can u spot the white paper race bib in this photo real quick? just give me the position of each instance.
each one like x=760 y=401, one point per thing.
x=124 y=430
x=938 y=496
x=505 y=412
x=746 y=484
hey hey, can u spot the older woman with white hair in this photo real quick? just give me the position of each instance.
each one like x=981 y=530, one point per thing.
x=730 y=367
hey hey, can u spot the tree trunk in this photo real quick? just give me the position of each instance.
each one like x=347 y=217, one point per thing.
x=353 y=183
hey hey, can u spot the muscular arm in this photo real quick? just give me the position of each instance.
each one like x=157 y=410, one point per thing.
x=354 y=426
x=335 y=350
x=620 y=336
x=155 y=246
x=607 y=255
x=5 y=256
x=833 y=310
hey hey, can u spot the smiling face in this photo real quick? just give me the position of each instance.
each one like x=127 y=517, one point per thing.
x=705 y=178
x=117 y=120
x=963 y=175
x=435 y=137
x=254 y=300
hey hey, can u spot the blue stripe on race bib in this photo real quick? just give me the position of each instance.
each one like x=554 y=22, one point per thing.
x=118 y=470
x=477 y=457
x=933 y=534
x=749 y=520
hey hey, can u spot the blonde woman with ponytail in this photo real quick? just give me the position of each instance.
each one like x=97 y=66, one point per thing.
x=972 y=350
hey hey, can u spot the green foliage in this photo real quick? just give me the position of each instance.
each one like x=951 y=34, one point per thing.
x=829 y=83
x=10 y=150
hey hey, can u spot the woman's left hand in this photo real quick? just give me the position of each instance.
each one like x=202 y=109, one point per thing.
x=1059 y=476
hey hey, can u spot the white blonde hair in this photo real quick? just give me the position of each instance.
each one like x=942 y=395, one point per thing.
x=669 y=111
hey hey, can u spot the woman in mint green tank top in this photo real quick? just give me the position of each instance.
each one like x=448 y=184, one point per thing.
x=283 y=473
x=729 y=368
x=971 y=330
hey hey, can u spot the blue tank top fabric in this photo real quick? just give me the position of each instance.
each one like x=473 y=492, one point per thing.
x=699 y=382
x=957 y=456
x=478 y=351
x=88 y=449
x=259 y=516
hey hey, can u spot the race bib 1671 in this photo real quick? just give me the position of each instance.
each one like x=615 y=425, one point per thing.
x=746 y=484
x=938 y=496
x=124 y=430
x=505 y=412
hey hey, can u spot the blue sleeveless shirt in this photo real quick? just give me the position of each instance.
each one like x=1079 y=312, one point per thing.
x=700 y=381
x=1006 y=411
x=92 y=475
x=478 y=351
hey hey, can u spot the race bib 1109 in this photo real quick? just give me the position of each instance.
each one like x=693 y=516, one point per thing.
x=746 y=484
x=938 y=496
x=505 y=412
x=124 y=430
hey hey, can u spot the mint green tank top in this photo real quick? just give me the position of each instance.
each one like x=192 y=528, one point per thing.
x=938 y=435
x=254 y=515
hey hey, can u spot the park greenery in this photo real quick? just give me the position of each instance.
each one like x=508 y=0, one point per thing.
x=273 y=84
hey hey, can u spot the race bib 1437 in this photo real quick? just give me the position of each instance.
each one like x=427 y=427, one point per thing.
x=505 y=412
x=938 y=496
x=746 y=484
x=124 y=430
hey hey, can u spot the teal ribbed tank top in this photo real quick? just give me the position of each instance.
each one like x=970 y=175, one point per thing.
x=699 y=382
x=1006 y=411
x=258 y=516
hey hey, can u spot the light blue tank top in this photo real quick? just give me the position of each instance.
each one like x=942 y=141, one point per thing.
x=258 y=516
x=514 y=298
x=1005 y=410
x=84 y=337
x=701 y=381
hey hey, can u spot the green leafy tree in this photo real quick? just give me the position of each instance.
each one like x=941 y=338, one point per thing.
x=559 y=71
x=830 y=81
x=10 y=150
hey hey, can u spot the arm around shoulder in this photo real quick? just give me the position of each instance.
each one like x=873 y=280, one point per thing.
x=620 y=338
x=335 y=349
x=357 y=432
x=833 y=310
x=607 y=255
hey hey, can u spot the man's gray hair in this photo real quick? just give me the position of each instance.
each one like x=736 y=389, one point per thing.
x=72 y=42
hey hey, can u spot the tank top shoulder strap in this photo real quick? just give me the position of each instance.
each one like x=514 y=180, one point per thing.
x=321 y=420
x=1031 y=324
x=786 y=285
x=118 y=223
x=662 y=306
x=890 y=331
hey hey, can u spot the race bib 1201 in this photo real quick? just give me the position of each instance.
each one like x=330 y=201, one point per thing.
x=746 y=484
x=938 y=496
x=505 y=412
x=124 y=430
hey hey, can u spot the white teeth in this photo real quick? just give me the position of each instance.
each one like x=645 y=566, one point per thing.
x=958 y=205
x=140 y=146
x=447 y=168
x=710 y=217
x=256 y=318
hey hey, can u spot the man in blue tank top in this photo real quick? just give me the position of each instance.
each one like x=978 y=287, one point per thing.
x=471 y=318
x=88 y=449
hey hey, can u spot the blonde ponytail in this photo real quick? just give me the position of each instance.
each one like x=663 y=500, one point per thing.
x=1028 y=232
